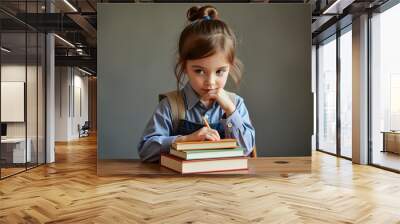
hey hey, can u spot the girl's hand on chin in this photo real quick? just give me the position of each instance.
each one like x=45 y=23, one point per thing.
x=223 y=99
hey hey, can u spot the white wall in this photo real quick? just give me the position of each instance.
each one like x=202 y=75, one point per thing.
x=80 y=110
x=62 y=81
x=16 y=73
x=11 y=73
x=70 y=83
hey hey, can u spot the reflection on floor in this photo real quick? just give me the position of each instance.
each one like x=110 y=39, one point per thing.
x=386 y=159
x=69 y=191
x=346 y=152
x=10 y=169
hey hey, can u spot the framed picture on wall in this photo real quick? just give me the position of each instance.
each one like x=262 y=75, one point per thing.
x=12 y=101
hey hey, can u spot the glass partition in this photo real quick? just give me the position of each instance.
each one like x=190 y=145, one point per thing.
x=41 y=107
x=385 y=89
x=22 y=88
x=327 y=95
x=32 y=94
x=14 y=153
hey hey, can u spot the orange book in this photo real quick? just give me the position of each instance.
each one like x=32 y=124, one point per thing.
x=203 y=165
x=198 y=145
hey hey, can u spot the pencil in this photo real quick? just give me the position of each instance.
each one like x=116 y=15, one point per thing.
x=206 y=122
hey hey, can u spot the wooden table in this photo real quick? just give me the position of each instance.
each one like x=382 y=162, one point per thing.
x=257 y=166
x=391 y=141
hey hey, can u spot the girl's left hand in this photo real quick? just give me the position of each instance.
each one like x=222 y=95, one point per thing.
x=223 y=99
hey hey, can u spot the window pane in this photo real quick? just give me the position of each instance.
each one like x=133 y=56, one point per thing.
x=327 y=96
x=346 y=94
x=386 y=88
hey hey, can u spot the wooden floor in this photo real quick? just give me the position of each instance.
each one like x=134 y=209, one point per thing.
x=70 y=192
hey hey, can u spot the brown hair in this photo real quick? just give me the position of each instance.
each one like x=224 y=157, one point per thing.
x=203 y=37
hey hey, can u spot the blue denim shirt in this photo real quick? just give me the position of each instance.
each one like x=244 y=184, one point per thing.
x=158 y=135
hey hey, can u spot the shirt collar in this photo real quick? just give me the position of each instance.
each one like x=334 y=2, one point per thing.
x=191 y=96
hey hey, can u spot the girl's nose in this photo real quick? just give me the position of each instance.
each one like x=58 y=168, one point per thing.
x=211 y=80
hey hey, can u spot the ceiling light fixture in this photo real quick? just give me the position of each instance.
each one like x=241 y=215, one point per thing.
x=5 y=50
x=86 y=72
x=70 y=5
x=337 y=7
x=65 y=41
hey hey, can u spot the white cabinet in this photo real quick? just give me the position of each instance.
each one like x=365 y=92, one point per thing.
x=17 y=146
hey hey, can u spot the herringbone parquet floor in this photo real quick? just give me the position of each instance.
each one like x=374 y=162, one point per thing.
x=70 y=192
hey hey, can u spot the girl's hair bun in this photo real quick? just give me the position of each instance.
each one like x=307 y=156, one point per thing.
x=196 y=12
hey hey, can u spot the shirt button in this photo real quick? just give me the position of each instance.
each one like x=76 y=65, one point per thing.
x=229 y=124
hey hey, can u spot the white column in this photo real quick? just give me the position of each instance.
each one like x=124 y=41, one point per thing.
x=63 y=102
x=360 y=90
x=50 y=92
x=50 y=100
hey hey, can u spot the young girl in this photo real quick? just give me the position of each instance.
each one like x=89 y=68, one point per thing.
x=207 y=57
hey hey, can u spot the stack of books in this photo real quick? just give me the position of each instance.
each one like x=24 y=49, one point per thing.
x=205 y=156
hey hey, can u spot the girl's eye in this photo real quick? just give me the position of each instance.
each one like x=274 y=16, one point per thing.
x=199 y=71
x=220 y=72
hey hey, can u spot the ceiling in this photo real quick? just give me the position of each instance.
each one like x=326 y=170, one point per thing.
x=76 y=22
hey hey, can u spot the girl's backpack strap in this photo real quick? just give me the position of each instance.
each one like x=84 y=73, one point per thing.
x=175 y=100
